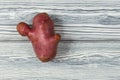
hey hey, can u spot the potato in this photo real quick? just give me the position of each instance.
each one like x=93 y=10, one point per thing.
x=42 y=36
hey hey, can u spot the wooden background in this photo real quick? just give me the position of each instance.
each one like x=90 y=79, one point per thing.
x=90 y=46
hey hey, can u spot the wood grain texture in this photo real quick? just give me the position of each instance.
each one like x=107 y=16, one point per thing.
x=102 y=59
x=78 y=20
x=90 y=46
x=82 y=32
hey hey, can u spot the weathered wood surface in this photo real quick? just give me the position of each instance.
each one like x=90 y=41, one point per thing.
x=90 y=46
x=77 y=20
x=85 y=60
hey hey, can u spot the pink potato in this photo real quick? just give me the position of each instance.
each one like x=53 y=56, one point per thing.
x=42 y=36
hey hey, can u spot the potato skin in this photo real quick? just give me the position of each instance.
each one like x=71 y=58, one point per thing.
x=42 y=36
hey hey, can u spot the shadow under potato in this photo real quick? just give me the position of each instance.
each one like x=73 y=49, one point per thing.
x=64 y=44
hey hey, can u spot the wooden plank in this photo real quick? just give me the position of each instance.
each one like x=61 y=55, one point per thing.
x=75 y=60
x=63 y=1
x=91 y=32
x=61 y=14
x=67 y=51
x=77 y=12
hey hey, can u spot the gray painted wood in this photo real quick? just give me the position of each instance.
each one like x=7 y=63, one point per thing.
x=90 y=46
x=85 y=60
x=82 y=32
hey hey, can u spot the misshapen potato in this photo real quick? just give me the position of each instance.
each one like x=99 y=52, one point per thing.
x=42 y=36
